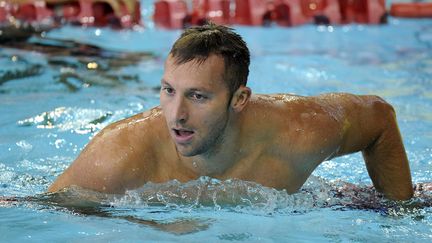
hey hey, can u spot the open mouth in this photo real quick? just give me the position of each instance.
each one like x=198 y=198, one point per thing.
x=183 y=135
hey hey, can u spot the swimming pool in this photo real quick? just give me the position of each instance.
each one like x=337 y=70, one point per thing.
x=53 y=102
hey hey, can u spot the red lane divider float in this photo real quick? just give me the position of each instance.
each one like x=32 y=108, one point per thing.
x=217 y=11
x=181 y=13
x=114 y=13
x=174 y=14
x=170 y=14
x=4 y=10
x=177 y=13
x=411 y=10
x=296 y=12
x=363 y=11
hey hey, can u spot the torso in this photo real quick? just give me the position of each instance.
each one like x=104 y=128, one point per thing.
x=281 y=140
x=286 y=137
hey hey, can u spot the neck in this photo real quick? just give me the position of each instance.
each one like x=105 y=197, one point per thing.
x=222 y=156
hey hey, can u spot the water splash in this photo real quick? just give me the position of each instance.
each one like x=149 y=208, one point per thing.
x=173 y=206
x=252 y=198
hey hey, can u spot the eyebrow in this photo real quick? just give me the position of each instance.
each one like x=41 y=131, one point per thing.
x=200 y=91
x=164 y=82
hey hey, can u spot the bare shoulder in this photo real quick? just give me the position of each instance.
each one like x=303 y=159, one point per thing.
x=297 y=125
x=345 y=107
x=134 y=126
x=348 y=101
x=118 y=158
x=333 y=106
x=327 y=122
x=364 y=117
x=296 y=113
x=136 y=132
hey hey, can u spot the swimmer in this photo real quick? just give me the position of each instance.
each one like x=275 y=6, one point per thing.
x=210 y=124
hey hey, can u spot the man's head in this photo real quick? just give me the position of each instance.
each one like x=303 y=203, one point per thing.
x=198 y=43
x=203 y=84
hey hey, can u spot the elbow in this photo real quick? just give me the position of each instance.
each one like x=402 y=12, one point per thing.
x=384 y=115
x=382 y=107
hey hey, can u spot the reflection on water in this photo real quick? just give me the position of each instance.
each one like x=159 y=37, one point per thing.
x=73 y=64
x=67 y=118
x=78 y=120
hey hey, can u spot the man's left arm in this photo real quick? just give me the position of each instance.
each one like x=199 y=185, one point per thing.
x=373 y=130
x=386 y=159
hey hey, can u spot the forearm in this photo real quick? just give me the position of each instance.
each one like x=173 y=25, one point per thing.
x=387 y=163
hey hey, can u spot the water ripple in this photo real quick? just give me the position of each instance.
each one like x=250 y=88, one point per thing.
x=79 y=120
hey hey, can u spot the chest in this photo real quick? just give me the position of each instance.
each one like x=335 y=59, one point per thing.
x=269 y=171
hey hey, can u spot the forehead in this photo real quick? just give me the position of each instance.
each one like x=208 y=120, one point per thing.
x=208 y=74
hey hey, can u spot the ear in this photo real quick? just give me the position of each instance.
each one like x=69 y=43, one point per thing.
x=240 y=98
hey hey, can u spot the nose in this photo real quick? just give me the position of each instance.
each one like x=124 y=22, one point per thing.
x=180 y=111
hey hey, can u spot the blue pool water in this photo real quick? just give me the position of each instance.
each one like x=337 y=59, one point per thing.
x=53 y=102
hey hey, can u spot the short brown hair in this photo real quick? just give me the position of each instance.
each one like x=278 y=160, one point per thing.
x=199 y=42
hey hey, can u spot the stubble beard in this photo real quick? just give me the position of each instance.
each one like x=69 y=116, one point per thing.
x=213 y=141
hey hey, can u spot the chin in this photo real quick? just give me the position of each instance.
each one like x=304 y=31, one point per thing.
x=196 y=147
x=187 y=152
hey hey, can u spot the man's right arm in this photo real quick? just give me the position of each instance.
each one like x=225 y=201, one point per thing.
x=111 y=163
x=95 y=168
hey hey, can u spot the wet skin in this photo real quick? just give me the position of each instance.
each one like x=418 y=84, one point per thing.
x=276 y=140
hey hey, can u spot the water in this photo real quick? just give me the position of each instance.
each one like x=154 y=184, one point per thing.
x=54 y=100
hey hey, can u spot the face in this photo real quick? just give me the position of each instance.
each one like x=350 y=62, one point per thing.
x=194 y=100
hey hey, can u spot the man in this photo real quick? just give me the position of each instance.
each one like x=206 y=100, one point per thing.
x=209 y=124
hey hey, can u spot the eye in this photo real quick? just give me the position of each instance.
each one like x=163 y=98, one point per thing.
x=168 y=90
x=198 y=97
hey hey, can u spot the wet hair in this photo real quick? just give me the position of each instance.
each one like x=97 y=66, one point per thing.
x=199 y=42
